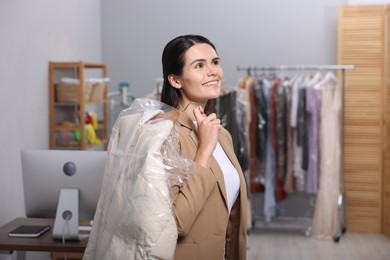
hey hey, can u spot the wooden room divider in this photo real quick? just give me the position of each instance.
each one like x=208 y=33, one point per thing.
x=363 y=40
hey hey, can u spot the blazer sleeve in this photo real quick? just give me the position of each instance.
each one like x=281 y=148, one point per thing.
x=189 y=199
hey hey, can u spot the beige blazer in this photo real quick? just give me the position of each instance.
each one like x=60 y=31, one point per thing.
x=200 y=206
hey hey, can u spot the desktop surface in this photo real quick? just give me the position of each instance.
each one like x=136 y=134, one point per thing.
x=43 y=243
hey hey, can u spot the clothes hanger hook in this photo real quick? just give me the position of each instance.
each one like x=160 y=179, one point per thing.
x=192 y=102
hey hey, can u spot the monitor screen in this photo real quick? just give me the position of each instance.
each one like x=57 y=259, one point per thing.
x=45 y=172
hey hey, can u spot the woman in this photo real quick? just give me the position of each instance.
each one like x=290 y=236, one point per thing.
x=210 y=210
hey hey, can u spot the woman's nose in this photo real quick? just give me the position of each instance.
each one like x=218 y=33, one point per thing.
x=212 y=70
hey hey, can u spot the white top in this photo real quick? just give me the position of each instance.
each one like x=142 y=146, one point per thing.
x=230 y=174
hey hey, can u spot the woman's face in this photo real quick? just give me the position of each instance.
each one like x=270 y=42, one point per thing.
x=202 y=75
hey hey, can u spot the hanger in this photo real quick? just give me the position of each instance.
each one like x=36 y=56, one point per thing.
x=173 y=114
x=315 y=79
x=249 y=71
x=329 y=76
x=192 y=102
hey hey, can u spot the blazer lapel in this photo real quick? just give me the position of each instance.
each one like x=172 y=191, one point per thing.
x=216 y=169
x=185 y=121
x=226 y=146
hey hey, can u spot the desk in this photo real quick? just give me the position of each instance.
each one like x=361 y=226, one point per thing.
x=44 y=243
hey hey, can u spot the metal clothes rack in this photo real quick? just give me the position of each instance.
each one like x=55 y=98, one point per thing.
x=341 y=198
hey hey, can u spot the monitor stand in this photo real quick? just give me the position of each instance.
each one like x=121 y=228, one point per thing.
x=66 y=224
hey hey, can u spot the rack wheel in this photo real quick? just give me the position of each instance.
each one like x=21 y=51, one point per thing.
x=308 y=232
x=336 y=239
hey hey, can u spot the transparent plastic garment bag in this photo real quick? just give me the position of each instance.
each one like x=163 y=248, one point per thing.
x=134 y=218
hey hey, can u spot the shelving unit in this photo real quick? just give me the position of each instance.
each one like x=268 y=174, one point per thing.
x=68 y=118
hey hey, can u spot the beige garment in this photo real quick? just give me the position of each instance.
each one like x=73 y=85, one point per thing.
x=324 y=224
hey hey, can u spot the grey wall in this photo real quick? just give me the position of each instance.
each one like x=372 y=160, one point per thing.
x=33 y=33
x=247 y=32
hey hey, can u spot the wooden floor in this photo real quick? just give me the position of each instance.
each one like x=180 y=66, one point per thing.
x=292 y=245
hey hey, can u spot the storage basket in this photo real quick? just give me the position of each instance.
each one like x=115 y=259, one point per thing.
x=68 y=92
x=97 y=91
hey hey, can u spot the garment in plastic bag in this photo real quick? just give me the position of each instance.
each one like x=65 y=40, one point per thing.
x=134 y=218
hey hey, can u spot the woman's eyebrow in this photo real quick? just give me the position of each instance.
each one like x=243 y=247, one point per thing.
x=197 y=60
x=203 y=60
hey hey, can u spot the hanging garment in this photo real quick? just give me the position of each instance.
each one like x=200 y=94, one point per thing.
x=313 y=103
x=324 y=224
x=298 y=172
x=302 y=127
x=225 y=108
x=269 y=208
x=262 y=122
x=243 y=120
x=294 y=102
x=299 y=144
x=277 y=131
x=256 y=184
x=261 y=132
x=289 y=176
x=281 y=129
x=306 y=122
x=134 y=218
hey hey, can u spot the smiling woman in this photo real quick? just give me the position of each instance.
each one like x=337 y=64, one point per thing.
x=210 y=209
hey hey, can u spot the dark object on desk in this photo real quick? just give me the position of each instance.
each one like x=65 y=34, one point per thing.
x=29 y=231
x=44 y=243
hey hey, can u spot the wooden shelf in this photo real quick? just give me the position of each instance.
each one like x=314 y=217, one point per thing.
x=75 y=112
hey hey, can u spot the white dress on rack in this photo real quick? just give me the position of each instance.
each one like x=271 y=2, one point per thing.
x=325 y=214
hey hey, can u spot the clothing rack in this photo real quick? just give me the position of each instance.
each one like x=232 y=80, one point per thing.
x=341 y=198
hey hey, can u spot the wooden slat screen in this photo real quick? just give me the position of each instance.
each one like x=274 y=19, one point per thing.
x=361 y=42
x=386 y=175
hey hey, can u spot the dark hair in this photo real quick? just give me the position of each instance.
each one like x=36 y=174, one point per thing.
x=173 y=63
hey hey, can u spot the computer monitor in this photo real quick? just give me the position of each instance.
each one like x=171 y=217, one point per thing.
x=48 y=173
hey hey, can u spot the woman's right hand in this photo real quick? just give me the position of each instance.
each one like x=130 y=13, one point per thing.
x=208 y=129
